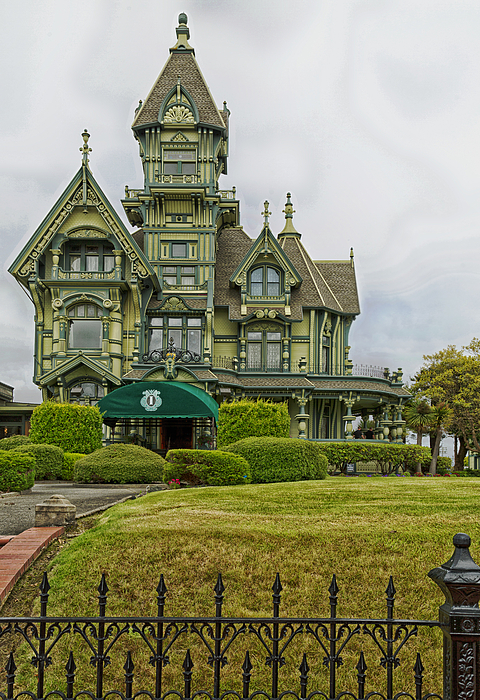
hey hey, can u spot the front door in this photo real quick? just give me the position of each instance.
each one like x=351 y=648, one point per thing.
x=177 y=433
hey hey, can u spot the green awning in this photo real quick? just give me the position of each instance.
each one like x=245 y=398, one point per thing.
x=158 y=400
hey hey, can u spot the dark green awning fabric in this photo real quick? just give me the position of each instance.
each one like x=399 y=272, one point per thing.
x=158 y=400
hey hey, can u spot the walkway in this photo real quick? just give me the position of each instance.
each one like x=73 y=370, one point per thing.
x=17 y=511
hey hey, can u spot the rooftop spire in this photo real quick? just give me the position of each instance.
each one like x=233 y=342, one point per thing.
x=85 y=148
x=183 y=35
x=289 y=229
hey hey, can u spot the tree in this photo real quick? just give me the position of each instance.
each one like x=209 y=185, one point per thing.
x=418 y=416
x=452 y=377
x=441 y=414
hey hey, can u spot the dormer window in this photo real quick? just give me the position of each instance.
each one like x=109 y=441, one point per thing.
x=177 y=162
x=264 y=281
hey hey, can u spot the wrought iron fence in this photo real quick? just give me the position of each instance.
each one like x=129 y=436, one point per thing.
x=192 y=644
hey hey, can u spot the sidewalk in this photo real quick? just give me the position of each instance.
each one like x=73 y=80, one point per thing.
x=17 y=511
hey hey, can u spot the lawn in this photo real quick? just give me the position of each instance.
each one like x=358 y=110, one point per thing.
x=361 y=529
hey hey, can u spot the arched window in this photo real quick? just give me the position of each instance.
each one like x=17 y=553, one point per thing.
x=264 y=282
x=86 y=393
x=85 y=327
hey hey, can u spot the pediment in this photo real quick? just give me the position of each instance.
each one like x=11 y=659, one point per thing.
x=94 y=368
x=266 y=249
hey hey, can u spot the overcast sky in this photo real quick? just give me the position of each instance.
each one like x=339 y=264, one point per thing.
x=367 y=111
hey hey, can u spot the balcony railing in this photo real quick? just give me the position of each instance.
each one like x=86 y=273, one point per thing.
x=184 y=287
x=228 y=194
x=132 y=194
x=177 y=179
x=369 y=371
x=60 y=274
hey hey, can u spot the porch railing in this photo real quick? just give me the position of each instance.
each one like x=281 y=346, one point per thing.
x=199 y=651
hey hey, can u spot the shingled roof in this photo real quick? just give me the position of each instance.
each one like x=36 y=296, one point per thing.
x=183 y=66
x=330 y=285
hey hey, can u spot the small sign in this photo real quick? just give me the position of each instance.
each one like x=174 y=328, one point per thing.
x=351 y=468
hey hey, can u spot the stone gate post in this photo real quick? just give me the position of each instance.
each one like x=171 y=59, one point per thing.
x=459 y=579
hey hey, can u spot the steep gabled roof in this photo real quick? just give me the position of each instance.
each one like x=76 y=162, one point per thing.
x=267 y=242
x=184 y=66
x=82 y=191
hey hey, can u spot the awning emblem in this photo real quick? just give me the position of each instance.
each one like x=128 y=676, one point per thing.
x=151 y=399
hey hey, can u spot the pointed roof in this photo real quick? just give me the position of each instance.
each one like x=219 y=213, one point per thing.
x=82 y=191
x=181 y=64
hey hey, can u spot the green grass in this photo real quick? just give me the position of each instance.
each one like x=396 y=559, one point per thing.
x=362 y=530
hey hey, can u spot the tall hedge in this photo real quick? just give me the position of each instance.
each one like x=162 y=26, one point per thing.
x=281 y=459
x=72 y=427
x=17 y=471
x=246 y=418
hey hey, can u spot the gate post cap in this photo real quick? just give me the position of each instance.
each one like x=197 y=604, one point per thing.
x=459 y=577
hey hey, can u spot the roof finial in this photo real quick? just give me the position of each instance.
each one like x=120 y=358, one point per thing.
x=351 y=257
x=265 y=213
x=289 y=211
x=85 y=148
x=183 y=34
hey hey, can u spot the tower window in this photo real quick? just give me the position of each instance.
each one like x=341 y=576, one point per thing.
x=176 y=162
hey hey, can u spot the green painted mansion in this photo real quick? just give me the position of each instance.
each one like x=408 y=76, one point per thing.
x=188 y=306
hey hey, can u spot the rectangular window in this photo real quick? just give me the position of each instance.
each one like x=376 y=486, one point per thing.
x=176 y=336
x=175 y=321
x=156 y=321
x=194 y=341
x=108 y=263
x=273 y=355
x=85 y=334
x=254 y=355
x=75 y=262
x=179 y=250
x=155 y=340
x=194 y=322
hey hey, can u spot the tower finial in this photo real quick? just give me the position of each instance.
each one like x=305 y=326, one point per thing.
x=183 y=35
x=85 y=149
x=265 y=213
x=289 y=229
x=351 y=257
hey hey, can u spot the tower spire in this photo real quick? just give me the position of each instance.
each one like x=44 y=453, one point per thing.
x=183 y=35
x=289 y=229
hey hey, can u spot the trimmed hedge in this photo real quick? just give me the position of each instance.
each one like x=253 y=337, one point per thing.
x=387 y=456
x=119 y=464
x=48 y=460
x=69 y=459
x=281 y=459
x=17 y=471
x=70 y=426
x=444 y=464
x=10 y=443
x=212 y=467
x=246 y=418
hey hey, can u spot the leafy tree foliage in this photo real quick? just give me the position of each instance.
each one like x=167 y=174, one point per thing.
x=451 y=378
x=72 y=427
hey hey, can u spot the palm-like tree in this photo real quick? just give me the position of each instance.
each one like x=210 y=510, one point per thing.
x=418 y=416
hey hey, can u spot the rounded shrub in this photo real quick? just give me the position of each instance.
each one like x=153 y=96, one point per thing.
x=119 y=464
x=9 y=443
x=281 y=459
x=48 y=460
x=70 y=426
x=69 y=459
x=245 y=418
x=212 y=467
x=17 y=471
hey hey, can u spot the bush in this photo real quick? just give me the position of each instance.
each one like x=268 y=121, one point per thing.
x=444 y=465
x=387 y=456
x=13 y=441
x=69 y=459
x=119 y=464
x=212 y=467
x=72 y=427
x=281 y=459
x=48 y=460
x=246 y=418
x=17 y=471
